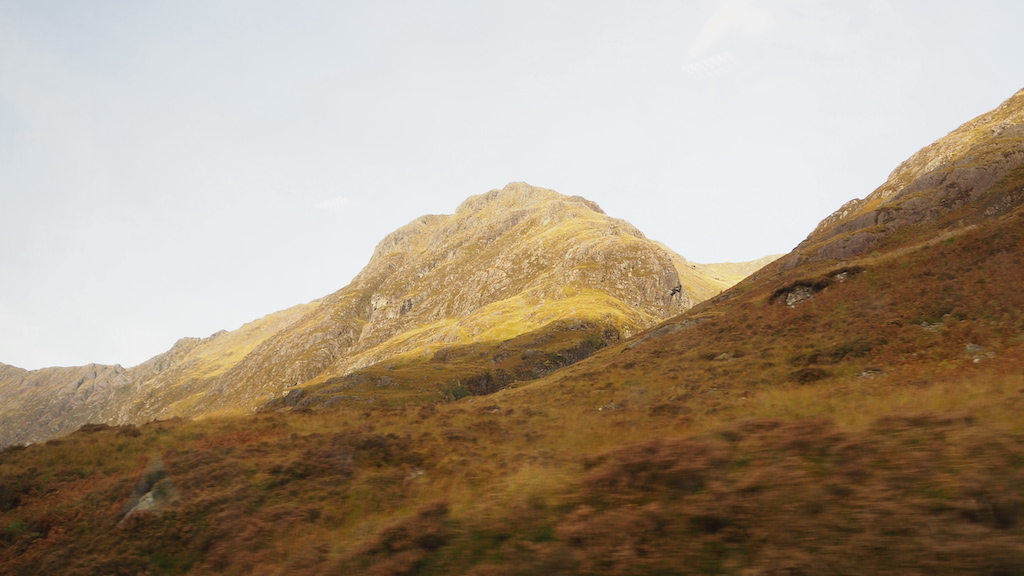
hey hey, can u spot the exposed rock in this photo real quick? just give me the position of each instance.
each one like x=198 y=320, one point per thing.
x=870 y=372
x=978 y=353
x=802 y=290
x=153 y=493
x=798 y=292
x=40 y=404
x=294 y=396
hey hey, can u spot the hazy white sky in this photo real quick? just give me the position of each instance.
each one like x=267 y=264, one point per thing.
x=169 y=169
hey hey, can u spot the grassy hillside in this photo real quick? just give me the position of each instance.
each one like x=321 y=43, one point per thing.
x=872 y=428
x=824 y=416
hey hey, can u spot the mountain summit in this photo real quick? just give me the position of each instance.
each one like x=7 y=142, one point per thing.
x=511 y=262
x=508 y=261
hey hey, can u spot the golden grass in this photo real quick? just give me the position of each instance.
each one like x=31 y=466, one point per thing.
x=220 y=354
x=994 y=398
x=511 y=465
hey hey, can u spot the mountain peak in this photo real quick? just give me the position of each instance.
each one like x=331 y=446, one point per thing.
x=514 y=251
x=972 y=173
x=518 y=281
x=520 y=195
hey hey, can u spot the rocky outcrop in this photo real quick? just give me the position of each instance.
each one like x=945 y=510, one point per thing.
x=153 y=493
x=973 y=173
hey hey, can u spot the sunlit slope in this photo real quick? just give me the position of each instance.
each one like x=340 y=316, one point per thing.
x=521 y=268
x=859 y=418
x=167 y=389
x=508 y=262
x=731 y=273
x=825 y=338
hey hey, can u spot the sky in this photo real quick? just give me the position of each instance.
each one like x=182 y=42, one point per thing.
x=170 y=169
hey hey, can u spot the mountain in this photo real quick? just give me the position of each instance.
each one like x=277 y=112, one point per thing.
x=42 y=400
x=916 y=284
x=508 y=262
x=851 y=408
x=971 y=175
x=518 y=282
x=41 y=404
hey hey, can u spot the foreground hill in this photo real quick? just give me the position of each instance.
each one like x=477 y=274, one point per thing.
x=824 y=416
x=515 y=284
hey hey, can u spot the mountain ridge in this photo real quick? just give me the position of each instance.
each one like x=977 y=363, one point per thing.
x=528 y=257
x=980 y=162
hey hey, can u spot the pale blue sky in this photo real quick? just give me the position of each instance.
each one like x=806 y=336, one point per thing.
x=169 y=169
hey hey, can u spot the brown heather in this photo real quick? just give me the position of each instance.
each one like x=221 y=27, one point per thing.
x=857 y=416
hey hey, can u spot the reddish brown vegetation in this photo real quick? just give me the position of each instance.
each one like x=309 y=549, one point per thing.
x=935 y=493
x=873 y=428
